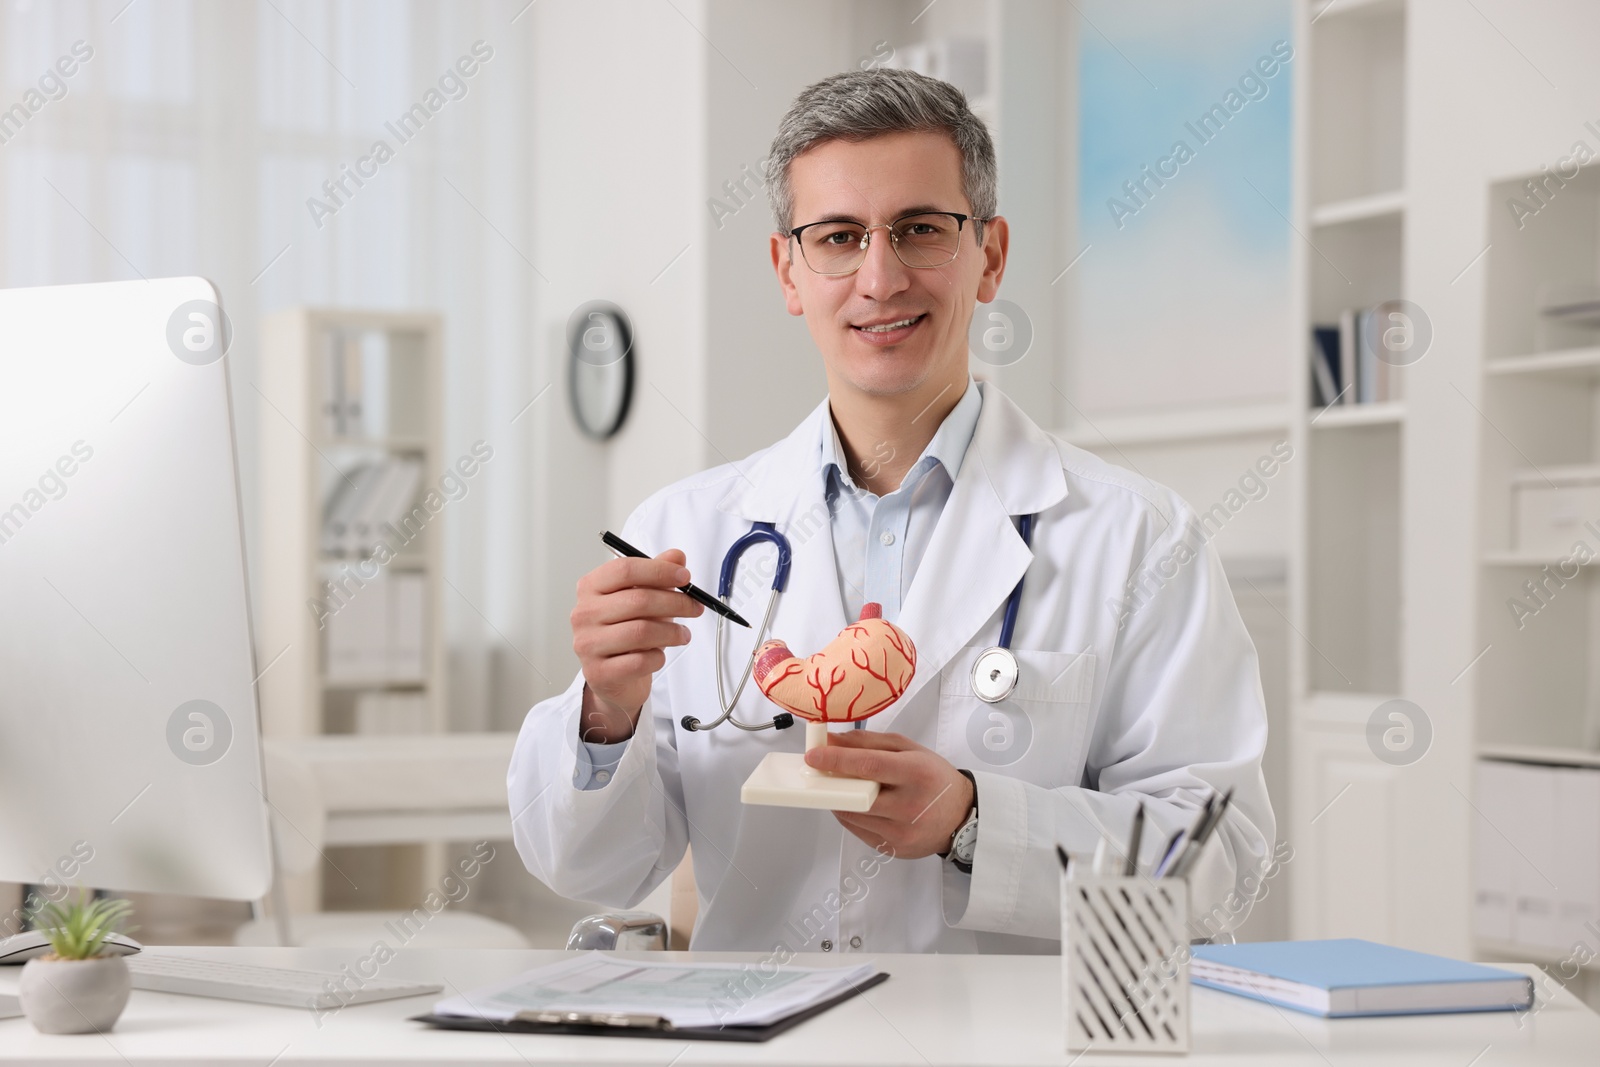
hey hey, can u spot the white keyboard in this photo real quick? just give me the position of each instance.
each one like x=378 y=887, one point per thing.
x=226 y=980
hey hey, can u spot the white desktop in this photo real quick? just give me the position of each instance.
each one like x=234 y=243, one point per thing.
x=129 y=745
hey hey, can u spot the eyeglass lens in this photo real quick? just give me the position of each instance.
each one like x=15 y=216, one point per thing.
x=919 y=240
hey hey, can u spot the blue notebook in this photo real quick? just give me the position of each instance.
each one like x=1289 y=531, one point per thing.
x=1353 y=977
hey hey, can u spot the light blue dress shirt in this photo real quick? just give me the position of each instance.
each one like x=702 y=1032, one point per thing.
x=878 y=541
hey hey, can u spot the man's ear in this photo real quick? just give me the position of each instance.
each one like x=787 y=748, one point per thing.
x=783 y=266
x=996 y=242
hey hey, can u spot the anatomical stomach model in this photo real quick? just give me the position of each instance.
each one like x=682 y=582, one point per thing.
x=860 y=673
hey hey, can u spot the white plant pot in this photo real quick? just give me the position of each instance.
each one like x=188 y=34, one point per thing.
x=74 y=996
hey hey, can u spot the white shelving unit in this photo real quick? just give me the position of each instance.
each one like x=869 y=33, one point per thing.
x=1346 y=559
x=306 y=457
x=1541 y=388
x=1538 y=695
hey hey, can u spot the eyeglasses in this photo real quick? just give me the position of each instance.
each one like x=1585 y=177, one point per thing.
x=929 y=239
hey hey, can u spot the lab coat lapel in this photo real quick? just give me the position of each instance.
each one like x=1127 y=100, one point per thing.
x=973 y=560
x=976 y=556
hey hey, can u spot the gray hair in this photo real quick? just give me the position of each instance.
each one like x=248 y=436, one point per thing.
x=860 y=104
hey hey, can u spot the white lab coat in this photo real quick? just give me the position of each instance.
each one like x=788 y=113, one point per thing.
x=1164 y=707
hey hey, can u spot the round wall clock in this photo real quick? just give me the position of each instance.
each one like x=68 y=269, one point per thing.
x=599 y=368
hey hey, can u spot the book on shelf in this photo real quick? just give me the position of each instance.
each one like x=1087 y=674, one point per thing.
x=1345 y=365
x=1325 y=369
x=378 y=632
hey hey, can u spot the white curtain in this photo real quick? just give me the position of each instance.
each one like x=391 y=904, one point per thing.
x=191 y=139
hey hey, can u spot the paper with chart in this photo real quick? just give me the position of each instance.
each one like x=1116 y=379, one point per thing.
x=685 y=994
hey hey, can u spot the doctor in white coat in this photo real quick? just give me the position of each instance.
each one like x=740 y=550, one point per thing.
x=904 y=487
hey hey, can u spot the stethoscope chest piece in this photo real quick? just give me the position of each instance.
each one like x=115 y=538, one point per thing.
x=994 y=675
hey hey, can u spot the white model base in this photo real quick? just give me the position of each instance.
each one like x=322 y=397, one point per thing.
x=784 y=780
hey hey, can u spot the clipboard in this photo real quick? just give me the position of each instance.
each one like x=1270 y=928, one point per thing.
x=625 y=1025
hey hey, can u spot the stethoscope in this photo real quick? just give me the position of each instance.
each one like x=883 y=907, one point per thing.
x=761 y=532
x=994 y=673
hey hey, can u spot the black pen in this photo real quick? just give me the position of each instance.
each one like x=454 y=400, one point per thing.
x=1177 y=866
x=1191 y=856
x=622 y=548
x=1130 y=866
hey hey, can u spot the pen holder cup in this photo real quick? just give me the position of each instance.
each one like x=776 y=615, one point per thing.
x=1125 y=964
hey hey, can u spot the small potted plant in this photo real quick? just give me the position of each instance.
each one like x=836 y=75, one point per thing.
x=74 y=989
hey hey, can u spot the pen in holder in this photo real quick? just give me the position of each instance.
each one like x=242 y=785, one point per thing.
x=1125 y=963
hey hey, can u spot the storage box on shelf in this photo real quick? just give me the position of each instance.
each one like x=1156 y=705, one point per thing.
x=1536 y=843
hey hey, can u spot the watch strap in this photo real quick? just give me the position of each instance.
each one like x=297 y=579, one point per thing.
x=972 y=817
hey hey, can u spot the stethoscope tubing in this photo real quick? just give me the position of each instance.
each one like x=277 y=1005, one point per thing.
x=768 y=532
x=759 y=532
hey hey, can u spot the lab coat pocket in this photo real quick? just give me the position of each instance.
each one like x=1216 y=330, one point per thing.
x=1039 y=733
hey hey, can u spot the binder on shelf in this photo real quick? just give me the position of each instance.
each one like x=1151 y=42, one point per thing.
x=352 y=424
x=383 y=503
x=349 y=643
x=341 y=386
x=1492 y=854
x=407 y=633
x=344 y=508
x=367 y=501
x=368 y=611
x=1347 y=355
x=379 y=633
x=332 y=408
x=1372 y=373
x=1577 y=862
x=400 y=496
x=1530 y=821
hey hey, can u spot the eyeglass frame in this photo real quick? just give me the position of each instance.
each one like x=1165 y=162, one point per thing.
x=894 y=246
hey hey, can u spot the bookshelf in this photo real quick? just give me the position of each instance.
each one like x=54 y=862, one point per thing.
x=1537 y=696
x=1346 y=560
x=1410 y=544
x=1540 y=388
x=349 y=634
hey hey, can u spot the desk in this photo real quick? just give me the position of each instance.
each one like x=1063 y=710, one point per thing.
x=966 y=1010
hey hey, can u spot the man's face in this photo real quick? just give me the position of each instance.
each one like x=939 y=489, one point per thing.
x=876 y=182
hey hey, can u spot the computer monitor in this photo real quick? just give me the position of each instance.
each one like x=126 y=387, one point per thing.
x=130 y=754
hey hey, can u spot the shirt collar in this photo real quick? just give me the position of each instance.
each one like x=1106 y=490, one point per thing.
x=947 y=449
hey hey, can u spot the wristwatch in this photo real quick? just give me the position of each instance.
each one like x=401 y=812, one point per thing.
x=964 y=843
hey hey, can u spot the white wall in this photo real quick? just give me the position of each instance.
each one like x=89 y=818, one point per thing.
x=619 y=127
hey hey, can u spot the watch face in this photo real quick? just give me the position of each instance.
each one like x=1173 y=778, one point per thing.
x=966 y=841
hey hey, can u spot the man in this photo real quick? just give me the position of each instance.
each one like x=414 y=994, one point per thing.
x=906 y=488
